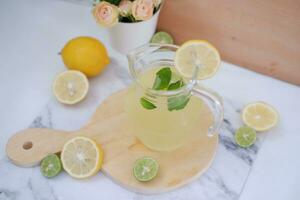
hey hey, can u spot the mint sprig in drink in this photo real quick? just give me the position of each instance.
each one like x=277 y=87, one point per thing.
x=163 y=123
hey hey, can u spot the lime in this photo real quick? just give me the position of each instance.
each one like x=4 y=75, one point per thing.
x=51 y=166
x=145 y=169
x=162 y=38
x=245 y=136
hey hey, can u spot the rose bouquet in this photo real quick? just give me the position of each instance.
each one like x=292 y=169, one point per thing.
x=109 y=12
x=130 y=23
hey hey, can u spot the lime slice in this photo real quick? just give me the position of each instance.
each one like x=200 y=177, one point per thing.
x=162 y=38
x=145 y=169
x=245 y=136
x=51 y=166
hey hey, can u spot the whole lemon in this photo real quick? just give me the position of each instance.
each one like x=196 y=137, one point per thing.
x=85 y=54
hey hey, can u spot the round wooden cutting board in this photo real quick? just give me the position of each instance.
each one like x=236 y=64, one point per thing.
x=109 y=127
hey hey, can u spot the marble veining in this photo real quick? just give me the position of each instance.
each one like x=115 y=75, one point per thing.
x=224 y=180
x=23 y=183
x=273 y=174
x=228 y=130
x=43 y=120
x=8 y=194
x=40 y=189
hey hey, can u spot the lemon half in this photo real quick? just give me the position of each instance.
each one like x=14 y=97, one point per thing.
x=70 y=87
x=260 y=116
x=81 y=157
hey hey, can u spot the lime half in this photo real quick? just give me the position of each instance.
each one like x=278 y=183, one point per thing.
x=51 y=166
x=145 y=169
x=245 y=136
x=162 y=37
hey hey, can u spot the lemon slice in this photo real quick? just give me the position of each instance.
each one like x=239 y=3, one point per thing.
x=260 y=116
x=70 y=87
x=197 y=59
x=81 y=157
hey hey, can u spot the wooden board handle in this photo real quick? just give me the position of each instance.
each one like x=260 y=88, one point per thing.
x=29 y=146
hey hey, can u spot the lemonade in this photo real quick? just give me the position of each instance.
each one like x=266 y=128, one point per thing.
x=162 y=127
x=166 y=107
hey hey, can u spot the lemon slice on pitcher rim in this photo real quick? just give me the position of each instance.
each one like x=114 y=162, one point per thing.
x=260 y=116
x=81 y=157
x=70 y=87
x=197 y=59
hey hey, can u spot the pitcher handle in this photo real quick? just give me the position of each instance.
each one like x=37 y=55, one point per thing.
x=215 y=104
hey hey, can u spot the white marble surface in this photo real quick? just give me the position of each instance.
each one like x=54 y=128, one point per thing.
x=33 y=32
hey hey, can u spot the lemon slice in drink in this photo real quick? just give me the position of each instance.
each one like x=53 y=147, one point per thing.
x=145 y=169
x=81 y=157
x=70 y=87
x=197 y=58
x=260 y=116
x=245 y=136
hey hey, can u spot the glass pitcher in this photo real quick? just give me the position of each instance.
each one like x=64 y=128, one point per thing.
x=164 y=120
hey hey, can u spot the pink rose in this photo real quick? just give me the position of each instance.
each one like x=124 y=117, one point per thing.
x=142 y=9
x=125 y=7
x=106 y=14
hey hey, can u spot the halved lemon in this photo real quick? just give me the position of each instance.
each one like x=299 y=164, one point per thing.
x=260 y=116
x=81 y=157
x=197 y=59
x=70 y=87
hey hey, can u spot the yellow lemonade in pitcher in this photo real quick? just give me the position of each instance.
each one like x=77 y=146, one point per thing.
x=164 y=122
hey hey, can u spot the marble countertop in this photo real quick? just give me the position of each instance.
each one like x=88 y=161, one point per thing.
x=33 y=32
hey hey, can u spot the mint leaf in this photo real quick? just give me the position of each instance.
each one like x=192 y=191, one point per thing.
x=176 y=85
x=147 y=104
x=162 y=79
x=178 y=103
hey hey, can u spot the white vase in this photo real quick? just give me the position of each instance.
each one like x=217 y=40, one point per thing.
x=127 y=36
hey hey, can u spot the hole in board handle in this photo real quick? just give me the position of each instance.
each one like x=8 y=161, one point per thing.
x=27 y=145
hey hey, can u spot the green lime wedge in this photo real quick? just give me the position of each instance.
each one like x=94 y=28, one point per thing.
x=162 y=37
x=245 y=136
x=51 y=166
x=145 y=169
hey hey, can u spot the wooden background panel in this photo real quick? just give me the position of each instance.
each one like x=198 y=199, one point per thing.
x=263 y=36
